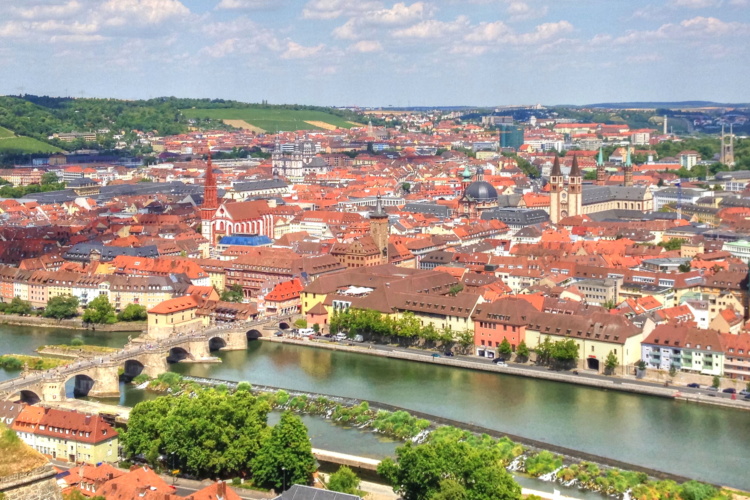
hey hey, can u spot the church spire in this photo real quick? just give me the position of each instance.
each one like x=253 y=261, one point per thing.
x=628 y=170
x=574 y=170
x=600 y=172
x=556 y=171
x=210 y=198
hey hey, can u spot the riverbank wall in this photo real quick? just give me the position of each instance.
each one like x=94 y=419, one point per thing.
x=613 y=383
x=71 y=324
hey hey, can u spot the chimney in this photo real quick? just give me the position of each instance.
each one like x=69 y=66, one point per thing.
x=221 y=490
x=114 y=486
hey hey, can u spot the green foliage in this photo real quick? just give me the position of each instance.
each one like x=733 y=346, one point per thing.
x=455 y=289
x=285 y=456
x=141 y=378
x=49 y=178
x=611 y=362
x=694 y=490
x=301 y=323
x=672 y=371
x=133 y=312
x=685 y=268
x=449 y=468
x=522 y=352
x=16 y=306
x=346 y=481
x=210 y=434
x=61 y=307
x=559 y=354
x=406 y=329
x=589 y=175
x=543 y=462
x=233 y=294
x=273 y=119
x=672 y=244
x=76 y=342
x=244 y=386
x=399 y=424
x=77 y=495
x=716 y=382
x=10 y=363
x=505 y=348
x=100 y=311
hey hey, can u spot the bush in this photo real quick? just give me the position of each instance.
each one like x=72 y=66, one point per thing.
x=10 y=363
x=542 y=463
x=76 y=342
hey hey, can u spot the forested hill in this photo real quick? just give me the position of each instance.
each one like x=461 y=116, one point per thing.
x=42 y=116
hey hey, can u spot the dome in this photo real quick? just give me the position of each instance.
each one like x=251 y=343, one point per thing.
x=481 y=191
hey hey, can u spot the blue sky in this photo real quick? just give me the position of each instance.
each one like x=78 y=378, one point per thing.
x=379 y=52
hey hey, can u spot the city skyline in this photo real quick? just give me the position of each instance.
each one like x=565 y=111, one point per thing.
x=379 y=53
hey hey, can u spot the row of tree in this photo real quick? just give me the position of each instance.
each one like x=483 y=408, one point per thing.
x=99 y=311
x=217 y=434
x=405 y=329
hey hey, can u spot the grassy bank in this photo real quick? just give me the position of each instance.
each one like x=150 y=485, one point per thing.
x=15 y=362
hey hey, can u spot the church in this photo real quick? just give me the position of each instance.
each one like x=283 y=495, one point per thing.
x=478 y=196
x=570 y=197
x=297 y=160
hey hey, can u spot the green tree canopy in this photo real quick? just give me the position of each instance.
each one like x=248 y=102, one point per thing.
x=450 y=467
x=18 y=306
x=522 y=352
x=346 y=481
x=611 y=362
x=286 y=456
x=61 y=307
x=100 y=311
x=133 y=312
x=505 y=348
x=233 y=294
x=211 y=434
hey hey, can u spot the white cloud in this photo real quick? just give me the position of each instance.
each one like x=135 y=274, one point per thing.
x=520 y=11
x=432 y=28
x=146 y=11
x=689 y=29
x=695 y=4
x=367 y=46
x=332 y=9
x=365 y=24
x=489 y=32
x=247 y=4
x=498 y=32
x=49 y=11
x=643 y=58
x=297 y=51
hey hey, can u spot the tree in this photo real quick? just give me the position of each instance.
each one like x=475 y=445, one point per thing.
x=672 y=244
x=49 y=178
x=285 y=458
x=609 y=304
x=18 y=306
x=442 y=468
x=716 y=382
x=589 y=175
x=133 y=312
x=77 y=495
x=346 y=481
x=406 y=187
x=301 y=323
x=522 y=352
x=694 y=490
x=505 y=348
x=455 y=289
x=316 y=328
x=100 y=311
x=564 y=353
x=610 y=363
x=684 y=267
x=233 y=294
x=61 y=307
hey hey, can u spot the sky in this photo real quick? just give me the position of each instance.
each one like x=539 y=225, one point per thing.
x=379 y=52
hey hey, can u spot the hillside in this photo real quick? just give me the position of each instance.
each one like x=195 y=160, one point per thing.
x=664 y=105
x=15 y=456
x=272 y=119
x=11 y=143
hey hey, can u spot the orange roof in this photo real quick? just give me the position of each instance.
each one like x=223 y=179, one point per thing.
x=175 y=305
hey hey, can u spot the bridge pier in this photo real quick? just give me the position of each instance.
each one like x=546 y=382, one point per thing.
x=106 y=382
x=231 y=340
x=154 y=363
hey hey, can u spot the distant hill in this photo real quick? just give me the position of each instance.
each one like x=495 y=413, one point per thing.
x=665 y=105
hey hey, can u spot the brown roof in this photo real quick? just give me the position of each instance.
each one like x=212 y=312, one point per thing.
x=64 y=424
x=685 y=335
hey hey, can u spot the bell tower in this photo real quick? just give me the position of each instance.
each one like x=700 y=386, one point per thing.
x=557 y=193
x=628 y=170
x=210 y=202
x=601 y=173
x=575 y=189
x=727 y=147
x=379 y=230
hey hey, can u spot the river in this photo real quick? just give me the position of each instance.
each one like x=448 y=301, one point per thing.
x=705 y=442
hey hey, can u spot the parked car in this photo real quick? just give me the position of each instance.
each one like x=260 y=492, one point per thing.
x=498 y=360
x=436 y=355
x=449 y=353
x=341 y=336
x=279 y=333
x=501 y=363
x=730 y=390
x=712 y=389
x=744 y=392
x=359 y=338
x=694 y=385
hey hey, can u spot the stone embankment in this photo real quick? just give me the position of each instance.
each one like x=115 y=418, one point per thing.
x=608 y=383
x=71 y=324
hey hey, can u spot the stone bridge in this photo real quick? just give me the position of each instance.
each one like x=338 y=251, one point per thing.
x=101 y=376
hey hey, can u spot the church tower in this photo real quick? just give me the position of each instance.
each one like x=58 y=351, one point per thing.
x=727 y=147
x=210 y=202
x=601 y=174
x=465 y=178
x=575 y=189
x=556 y=191
x=628 y=170
x=379 y=230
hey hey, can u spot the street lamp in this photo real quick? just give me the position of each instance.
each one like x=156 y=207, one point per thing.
x=283 y=487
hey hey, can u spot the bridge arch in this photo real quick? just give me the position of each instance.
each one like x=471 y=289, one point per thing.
x=177 y=354
x=82 y=385
x=216 y=344
x=25 y=396
x=284 y=325
x=132 y=369
x=254 y=334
